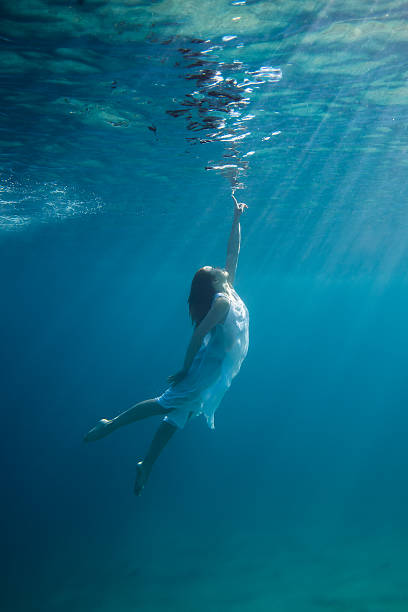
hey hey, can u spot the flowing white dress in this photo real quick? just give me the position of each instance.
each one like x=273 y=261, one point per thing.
x=216 y=363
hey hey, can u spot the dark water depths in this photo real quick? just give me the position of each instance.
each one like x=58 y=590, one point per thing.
x=123 y=127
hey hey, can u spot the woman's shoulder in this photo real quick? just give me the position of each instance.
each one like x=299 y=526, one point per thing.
x=221 y=306
x=221 y=295
x=222 y=298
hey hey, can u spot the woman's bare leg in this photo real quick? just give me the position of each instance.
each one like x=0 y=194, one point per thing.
x=161 y=437
x=139 y=411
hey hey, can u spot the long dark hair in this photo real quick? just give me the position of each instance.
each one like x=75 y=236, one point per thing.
x=201 y=294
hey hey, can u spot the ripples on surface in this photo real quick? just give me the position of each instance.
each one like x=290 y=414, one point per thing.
x=87 y=86
x=224 y=90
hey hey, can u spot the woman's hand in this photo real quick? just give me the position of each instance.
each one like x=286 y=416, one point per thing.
x=239 y=207
x=176 y=378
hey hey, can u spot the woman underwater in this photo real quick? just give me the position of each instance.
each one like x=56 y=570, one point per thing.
x=214 y=356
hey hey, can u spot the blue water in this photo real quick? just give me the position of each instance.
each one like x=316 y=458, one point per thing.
x=297 y=502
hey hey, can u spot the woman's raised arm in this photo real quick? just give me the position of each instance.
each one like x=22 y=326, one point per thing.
x=234 y=241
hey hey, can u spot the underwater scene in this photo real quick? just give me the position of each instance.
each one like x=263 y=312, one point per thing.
x=126 y=126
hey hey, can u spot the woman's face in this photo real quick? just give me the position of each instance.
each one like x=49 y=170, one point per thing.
x=220 y=276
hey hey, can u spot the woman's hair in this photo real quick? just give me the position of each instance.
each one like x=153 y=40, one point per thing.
x=201 y=294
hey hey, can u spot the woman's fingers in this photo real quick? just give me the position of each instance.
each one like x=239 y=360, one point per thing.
x=240 y=207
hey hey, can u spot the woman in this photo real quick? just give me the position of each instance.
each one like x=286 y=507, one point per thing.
x=214 y=356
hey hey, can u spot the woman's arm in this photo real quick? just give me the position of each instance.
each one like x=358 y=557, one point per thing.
x=234 y=241
x=214 y=316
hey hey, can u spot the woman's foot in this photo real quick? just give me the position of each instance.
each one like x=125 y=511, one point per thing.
x=102 y=429
x=141 y=478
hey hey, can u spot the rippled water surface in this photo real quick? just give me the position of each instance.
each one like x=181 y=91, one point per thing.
x=124 y=126
x=90 y=89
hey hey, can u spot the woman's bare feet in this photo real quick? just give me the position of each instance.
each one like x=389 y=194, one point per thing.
x=141 y=478
x=102 y=429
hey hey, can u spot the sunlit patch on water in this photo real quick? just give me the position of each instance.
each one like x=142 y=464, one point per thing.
x=26 y=202
x=216 y=107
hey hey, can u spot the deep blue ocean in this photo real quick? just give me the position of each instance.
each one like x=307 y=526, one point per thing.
x=124 y=125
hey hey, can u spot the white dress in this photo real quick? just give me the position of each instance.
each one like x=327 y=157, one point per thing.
x=216 y=363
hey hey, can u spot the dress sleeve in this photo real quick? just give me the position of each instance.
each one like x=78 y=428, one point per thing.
x=217 y=295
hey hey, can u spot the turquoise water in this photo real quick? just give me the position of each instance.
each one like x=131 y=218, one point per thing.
x=110 y=199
